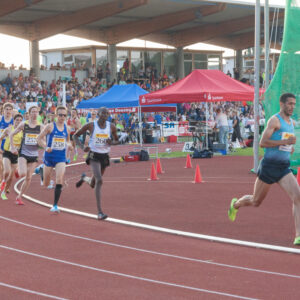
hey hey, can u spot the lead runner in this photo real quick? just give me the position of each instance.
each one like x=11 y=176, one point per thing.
x=102 y=135
x=278 y=139
x=57 y=139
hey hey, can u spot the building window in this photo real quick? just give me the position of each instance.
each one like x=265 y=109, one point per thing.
x=101 y=57
x=81 y=60
x=170 y=63
x=137 y=63
x=121 y=57
x=213 y=62
x=152 y=63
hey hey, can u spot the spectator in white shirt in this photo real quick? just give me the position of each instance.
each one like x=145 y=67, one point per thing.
x=222 y=124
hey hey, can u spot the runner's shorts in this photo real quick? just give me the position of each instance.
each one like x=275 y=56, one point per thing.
x=29 y=159
x=270 y=171
x=103 y=158
x=12 y=157
x=52 y=163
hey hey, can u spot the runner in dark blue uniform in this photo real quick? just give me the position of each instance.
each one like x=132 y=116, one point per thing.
x=278 y=139
x=57 y=138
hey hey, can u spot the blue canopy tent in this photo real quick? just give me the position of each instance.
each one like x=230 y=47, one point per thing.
x=123 y=96
x=124 y=99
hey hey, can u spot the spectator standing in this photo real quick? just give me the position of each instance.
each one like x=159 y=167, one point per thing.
x=222 y=125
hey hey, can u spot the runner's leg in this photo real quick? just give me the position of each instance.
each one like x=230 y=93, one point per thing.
x=59 y=172
x=96 y=168
x=289 y=184
x=261 y=190
x=26 y=183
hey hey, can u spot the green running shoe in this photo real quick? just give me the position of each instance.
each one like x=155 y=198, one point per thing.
x=75 y=157
x=232 y=211
x=3 y=196
x=297 y=241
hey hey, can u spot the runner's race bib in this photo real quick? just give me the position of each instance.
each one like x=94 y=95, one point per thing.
x=285 y=136
x=58 y=143
x=31 y=139
x=100 y=140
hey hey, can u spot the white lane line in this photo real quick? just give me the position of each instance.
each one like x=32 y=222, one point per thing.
x=124 y=274
x=30 y=291
x=149 y=251
x=167 y=230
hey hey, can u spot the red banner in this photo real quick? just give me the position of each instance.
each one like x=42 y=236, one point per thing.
x=183 y=128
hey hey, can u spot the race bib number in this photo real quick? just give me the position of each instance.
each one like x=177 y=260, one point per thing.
x=58 y=143
x=100 y=140
x=286 y=148
x=31 y=139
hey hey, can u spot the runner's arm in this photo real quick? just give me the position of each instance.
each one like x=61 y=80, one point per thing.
x=4 y=134
x=114 y=134
x=272 y=126
x=42 y=136
x=70 y=146
x=82 y=130
x=12 y=134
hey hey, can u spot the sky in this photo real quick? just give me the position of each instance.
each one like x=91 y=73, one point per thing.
x=16 y=51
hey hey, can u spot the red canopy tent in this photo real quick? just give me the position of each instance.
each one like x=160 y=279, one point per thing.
x=201 y=86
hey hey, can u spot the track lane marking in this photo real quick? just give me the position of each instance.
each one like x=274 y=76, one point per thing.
x=162 y=229
x=31 y=291
x=124 y=274
x=149 y=251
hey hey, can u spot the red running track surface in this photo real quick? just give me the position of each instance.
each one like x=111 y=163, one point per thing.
x=73 y=257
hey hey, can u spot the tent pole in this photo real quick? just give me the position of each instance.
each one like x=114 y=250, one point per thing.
x=206 y=124
x=267 y=45
x=256 y=84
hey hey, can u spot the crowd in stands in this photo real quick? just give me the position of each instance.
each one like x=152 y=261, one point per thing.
x=21 y=90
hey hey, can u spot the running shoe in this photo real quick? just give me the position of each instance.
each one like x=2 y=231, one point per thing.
x=41 y=172
x=297 y=241
x=37 y=170
x=54 y=209
x=3 y=196
x=81 y=180
x=51 y=185
x=19 y=201
x=75 y=157
x=2 y=187
x=93 y=182
x=102 y=216
x=68 y=161
x=232 y=211
x=17 y=174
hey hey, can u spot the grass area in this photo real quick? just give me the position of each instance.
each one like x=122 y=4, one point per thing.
x=245 y=152
x=237 y=152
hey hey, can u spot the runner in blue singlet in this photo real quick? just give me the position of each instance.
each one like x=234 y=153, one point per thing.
x=278 y=139
x=57 y=140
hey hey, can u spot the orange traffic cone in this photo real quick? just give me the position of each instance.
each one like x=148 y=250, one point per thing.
x=298 y=175
x=153 y=175
x=198 y=177
x=158 y=167
x=188 y=163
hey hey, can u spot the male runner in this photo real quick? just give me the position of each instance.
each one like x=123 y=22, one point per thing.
x=28 y=153
x=57 y=138
x=99 y=146
x=10 y=160
x=6 y=120
x=278 y=139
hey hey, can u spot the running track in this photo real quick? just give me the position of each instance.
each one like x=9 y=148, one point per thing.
x=71 y=257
